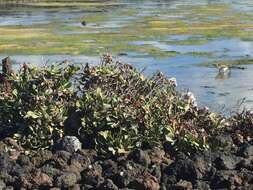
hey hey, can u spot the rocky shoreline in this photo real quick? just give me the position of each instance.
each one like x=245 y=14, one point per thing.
x=148 y=169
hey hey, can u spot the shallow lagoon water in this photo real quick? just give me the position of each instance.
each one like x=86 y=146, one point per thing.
x=175 y=37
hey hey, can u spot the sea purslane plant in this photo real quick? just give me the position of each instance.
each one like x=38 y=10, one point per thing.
x=111 y=107
x=34 y=110
x=121 y=110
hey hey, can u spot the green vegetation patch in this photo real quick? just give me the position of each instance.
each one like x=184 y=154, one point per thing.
x=245 y=61
x=111 y=107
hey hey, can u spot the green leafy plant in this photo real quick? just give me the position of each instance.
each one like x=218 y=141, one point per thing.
x=36 y=108
x=121 y=110
x=111 y=107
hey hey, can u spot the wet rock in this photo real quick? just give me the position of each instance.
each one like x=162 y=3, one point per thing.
x=69 y=143
x=141 y=157
x=66 y=180
x=108 y=185
x=246 y=150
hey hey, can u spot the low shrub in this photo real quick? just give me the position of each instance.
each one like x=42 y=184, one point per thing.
x=111 y=107
x=35 y=109
x=121 y=110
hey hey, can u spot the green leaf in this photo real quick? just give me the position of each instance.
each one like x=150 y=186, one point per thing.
x=32 y=115
x=15 y=92
x=104 y=134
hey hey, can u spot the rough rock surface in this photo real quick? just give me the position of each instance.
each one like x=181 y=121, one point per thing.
x=69 y=143
x=151 y=169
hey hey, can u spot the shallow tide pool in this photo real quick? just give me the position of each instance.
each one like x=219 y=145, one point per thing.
x=185 y=39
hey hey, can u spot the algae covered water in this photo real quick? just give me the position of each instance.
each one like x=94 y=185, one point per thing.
x=185 y=39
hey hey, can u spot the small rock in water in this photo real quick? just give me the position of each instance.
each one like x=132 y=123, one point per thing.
x=69 y=143
x=83 y=23
x=122 y=54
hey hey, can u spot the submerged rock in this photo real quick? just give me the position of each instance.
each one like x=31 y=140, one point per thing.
x=83 y=23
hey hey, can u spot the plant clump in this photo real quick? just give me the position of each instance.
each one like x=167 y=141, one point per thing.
x=35 y=109
x=111 y=107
